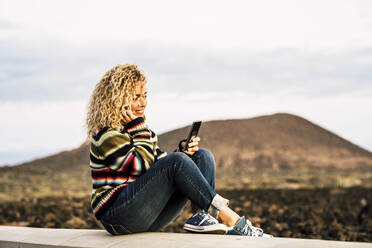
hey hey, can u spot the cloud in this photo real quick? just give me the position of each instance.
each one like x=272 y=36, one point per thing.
x=35 y=128
x=245 y=24
x=331 y=90
x=230 y=61
x=346 y=115
x=43 y=74
x=5 y=25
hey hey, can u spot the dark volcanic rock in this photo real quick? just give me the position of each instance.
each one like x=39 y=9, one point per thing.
x=334 y=214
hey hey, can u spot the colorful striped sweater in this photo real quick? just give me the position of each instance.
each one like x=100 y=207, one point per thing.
x=118 y=158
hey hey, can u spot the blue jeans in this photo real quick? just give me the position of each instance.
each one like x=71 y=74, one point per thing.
x=157 y=197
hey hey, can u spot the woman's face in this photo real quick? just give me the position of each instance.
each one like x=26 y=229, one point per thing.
x=139 y=102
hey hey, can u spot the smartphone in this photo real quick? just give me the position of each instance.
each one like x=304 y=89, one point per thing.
x=193 y=132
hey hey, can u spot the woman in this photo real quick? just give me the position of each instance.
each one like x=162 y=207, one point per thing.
x=136 y=186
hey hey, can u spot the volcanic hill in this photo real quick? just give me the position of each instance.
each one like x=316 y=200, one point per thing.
x=254 y=152
x=278 y=141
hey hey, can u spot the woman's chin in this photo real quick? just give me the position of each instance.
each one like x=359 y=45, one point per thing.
x=138 y=115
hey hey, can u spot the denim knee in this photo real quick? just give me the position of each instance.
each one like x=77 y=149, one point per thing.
x=206 y=153
x=178 y=156
x=207 y=156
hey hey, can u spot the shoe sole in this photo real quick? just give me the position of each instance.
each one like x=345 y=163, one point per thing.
x=215 y=229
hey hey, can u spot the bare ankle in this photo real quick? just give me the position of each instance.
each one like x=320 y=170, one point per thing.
x=228 y=216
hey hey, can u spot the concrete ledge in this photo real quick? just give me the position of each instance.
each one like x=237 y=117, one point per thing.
x=11 y=236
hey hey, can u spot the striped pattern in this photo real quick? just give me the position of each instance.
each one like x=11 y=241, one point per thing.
x=118 y=158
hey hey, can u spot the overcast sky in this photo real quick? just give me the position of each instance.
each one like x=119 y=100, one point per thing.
x=203 y=60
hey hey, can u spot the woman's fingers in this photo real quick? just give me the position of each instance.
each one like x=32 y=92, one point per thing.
x=195 y=142
x=192 y=150
x=194 y=139
x=125 y=116
x=131 y=115
x=128 y=116
x=193 y=146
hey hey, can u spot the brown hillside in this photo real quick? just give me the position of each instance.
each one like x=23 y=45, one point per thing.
x=276 y=141
x=64 y=173
x=265 y=151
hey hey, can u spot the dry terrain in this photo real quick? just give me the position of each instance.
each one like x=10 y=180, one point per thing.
x=290 y=176
x=333 y=214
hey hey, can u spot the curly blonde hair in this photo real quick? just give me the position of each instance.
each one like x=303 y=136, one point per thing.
x=111 y=95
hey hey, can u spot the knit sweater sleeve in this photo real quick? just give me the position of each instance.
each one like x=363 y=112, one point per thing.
x=116 y=150
x=142 y=140
x=159 y=154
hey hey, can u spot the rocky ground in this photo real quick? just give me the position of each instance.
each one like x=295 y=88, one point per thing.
x=332 y=214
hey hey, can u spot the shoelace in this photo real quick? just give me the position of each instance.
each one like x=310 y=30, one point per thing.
x=209 y=217
x=255 y=231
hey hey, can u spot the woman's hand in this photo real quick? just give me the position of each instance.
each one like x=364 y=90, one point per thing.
x=193 y=146
x=128 y=116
